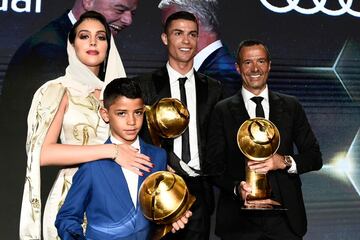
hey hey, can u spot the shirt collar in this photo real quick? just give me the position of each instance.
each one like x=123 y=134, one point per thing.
x=174 y=75
x=247 y=94
x=205 y=52
x=72 y=17
x=135 y=144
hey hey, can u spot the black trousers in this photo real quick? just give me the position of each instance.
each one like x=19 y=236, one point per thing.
x=198 y=227
x=264 y=225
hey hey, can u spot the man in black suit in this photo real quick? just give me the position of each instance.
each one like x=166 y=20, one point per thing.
x=212 y=57
x=42 y=57
x=225 y=160
x=178 y=79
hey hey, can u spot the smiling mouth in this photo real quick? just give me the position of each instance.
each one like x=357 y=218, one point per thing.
x=185 y=49
x=114 y=27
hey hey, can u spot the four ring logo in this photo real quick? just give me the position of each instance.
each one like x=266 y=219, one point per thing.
x=319 y=6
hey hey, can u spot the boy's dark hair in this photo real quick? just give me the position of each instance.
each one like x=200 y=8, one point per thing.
x=250 y=43
x=180 y=15
x=121 y=87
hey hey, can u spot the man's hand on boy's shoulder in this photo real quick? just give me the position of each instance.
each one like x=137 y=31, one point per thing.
x=180 y=223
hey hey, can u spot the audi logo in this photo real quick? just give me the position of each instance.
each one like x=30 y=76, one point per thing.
x=319 y=6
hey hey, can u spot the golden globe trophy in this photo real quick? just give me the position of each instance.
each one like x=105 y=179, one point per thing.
x=164 y=198
x=167 y=118
x=258 y=139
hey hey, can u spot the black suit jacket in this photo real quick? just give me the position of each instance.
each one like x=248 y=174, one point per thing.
x=156 y=86
x=225 y=160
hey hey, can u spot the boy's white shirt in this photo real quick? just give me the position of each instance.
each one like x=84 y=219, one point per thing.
x=131 y=178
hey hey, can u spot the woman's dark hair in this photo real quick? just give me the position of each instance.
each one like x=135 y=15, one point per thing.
x=90 y=15
x=99 y=17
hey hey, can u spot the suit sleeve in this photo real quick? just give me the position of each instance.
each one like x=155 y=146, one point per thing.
x=71 y=215
x=216 y=153
x=309 y=155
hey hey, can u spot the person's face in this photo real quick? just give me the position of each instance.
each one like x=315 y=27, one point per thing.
x=125 y=117
x=254 y=67
x=118 y=13
x=181 y=41
x=91 y=44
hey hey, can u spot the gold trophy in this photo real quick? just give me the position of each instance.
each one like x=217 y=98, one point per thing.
x=164 y=196
x=167 y=118
x=258 y=139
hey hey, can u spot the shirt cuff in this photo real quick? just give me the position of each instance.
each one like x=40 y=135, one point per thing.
x=293 y=168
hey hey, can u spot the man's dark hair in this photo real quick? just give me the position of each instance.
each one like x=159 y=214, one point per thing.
x=250 y=43
x=180 y=15
x=121 y=87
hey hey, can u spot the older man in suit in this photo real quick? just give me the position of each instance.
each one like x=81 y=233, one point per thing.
x=284 y=168
x=178 y=79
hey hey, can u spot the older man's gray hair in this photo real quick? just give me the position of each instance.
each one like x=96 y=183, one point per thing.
x=204 y=10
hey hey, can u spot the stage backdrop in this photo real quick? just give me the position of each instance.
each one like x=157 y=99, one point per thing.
x=315 y=48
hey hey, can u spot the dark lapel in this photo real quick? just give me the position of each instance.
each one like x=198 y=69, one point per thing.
x=276 y=108
x=144 y=150
x=162 y=83
x=114 y=175
x=237 y=108
x=202 y=92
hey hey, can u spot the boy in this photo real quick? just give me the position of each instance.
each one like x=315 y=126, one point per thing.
x=103 y=189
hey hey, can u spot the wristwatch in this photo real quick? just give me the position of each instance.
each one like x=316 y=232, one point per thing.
x=287 y=162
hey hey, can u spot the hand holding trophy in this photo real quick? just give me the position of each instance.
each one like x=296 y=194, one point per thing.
x=258 y=139
x=164 y=196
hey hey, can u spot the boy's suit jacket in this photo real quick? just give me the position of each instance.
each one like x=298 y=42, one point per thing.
x=100 y=191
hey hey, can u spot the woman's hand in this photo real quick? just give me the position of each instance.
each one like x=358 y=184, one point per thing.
x=129 y=157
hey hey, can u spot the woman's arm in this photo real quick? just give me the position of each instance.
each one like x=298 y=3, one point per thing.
x=54 y=153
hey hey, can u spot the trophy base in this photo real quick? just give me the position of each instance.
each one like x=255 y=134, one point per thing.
x=266 y=207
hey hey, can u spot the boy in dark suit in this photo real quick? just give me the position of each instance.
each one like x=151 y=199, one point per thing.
x=105 y=191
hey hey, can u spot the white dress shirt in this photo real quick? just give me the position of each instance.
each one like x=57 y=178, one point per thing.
x=132 y=178
x=72 y=17
x=190 y=89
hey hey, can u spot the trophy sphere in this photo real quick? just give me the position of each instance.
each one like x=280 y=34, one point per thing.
x=168 y=117
x=164 y=197
x=258 y=139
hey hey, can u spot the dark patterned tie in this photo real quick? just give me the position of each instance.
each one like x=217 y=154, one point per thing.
x=185 y=153
x=259 y=109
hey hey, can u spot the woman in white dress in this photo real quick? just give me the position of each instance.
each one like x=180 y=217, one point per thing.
x=67 y=108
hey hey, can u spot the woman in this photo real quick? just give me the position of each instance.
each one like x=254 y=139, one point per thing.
x=67 y=108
